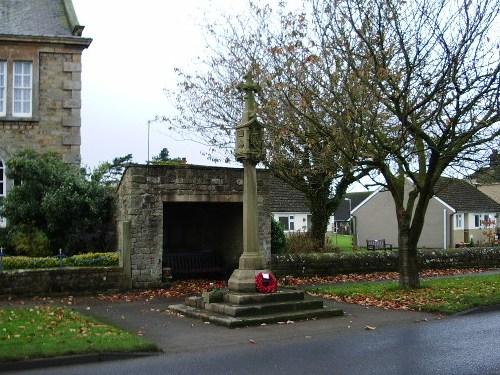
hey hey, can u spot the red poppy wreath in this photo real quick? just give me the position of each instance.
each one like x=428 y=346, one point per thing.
x=265 y=282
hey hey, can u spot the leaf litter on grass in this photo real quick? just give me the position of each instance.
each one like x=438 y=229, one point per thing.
x=194 y=287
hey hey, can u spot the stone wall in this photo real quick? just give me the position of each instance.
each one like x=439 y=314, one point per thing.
x=62 y=280
x=56 y=102
x=143 y=191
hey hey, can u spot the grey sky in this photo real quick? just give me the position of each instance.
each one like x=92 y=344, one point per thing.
x=126 y=68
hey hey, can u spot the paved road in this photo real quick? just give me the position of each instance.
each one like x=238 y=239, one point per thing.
x=460 y=345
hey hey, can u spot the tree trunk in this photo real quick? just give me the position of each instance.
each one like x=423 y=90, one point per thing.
x=408 y=261
x=319 y=221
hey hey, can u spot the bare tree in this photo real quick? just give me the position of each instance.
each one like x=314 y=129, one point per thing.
x=433 y=67
x=301 y=104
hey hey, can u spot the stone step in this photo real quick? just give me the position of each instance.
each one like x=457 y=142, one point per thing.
x=264 y=308
x=233 y=322
x=281 y=295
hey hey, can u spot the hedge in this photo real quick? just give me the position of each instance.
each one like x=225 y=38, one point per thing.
x=82 y=260
x=323 y=264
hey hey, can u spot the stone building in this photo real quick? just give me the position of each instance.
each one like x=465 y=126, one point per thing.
x=40 y=79
x=189 y=215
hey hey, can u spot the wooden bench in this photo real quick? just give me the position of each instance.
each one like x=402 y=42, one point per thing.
x=378 y=245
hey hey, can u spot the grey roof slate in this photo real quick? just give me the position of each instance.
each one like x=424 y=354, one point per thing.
x=34 y=18
x=284 y=198
x=342 y=213
x=464 y=197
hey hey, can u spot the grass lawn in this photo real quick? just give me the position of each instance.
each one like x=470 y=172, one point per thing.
x=342 y=241
x=446 y=296
x=37 y=332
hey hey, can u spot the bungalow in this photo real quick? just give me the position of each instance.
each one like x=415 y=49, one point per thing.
x=289 y=207
x=458 y=213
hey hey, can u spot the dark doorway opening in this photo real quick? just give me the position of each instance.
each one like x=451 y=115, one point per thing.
x=202 y=238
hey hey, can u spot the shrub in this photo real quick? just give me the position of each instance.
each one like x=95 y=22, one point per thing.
x=383 y=260
x=278 y=238
x=301 y=243
x=55 y=206
x=30 y=242
x=93 y=260
x=83 y=260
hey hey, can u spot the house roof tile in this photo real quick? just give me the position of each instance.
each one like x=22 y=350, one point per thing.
x=284 y=198
x=342 y=213
x=464 y=197
x=35 y=18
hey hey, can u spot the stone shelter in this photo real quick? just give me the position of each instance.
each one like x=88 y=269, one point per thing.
x=41 y=46
x=185 y=218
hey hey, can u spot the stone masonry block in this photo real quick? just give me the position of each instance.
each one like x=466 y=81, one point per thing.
x=72 y=67
x=76 y=95
x=72 y=103
x=73 y=139
x=71 y=118
x=72 y=85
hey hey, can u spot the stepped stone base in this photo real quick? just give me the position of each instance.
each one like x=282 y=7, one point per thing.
x=244 y=309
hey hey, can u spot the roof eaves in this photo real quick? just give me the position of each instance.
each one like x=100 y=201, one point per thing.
x=444 y=203
x=74 y=40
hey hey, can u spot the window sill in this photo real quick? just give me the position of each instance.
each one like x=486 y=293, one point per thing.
x=18 y=119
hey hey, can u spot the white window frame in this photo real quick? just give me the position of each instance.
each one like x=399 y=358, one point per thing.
x=290 y=221
x=459 y=221
x=22 y=88
x=3 y=85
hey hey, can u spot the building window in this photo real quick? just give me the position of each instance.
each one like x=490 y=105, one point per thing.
x=459 y=224
x=22 y=89
x=287 y=223
x=283 y=220
x=3 y=87
x=477 y=221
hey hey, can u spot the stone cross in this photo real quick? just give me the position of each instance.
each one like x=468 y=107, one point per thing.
x=249 y=137
x=249 y=151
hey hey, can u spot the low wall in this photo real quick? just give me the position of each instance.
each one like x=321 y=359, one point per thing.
x=62 y=280
x=380 y=261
